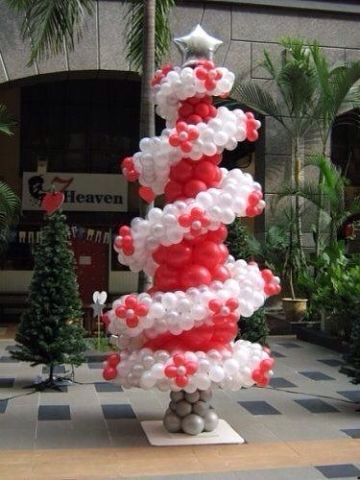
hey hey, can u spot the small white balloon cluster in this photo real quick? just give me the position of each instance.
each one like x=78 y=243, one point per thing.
x=162 y=227
x=183 y=83
x=190 y=371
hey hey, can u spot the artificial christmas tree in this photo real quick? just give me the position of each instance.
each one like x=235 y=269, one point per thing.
x=178 y=336
x=50 y=331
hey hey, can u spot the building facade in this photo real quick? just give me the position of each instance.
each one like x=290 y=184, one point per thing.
x=78 y=114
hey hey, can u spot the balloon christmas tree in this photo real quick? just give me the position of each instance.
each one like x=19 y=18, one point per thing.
x=179 y=335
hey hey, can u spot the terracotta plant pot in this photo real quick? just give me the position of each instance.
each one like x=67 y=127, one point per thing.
x=294 y=308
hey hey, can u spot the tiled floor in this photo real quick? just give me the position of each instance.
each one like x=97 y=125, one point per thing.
x=308 y=401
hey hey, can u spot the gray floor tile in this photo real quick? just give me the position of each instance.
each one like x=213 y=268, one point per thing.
x=316 y=376
x=11 y=347
x=277 y=354
x=54 y=412
x=352 y=432
x=258 y=407
x=289 y=344
x=58 y=369
x=279 y=382
x=95 y=358
x=7 y=382
x=8 y=359
x=113 y=411
x=62 y=389
x=353 y=395
x=339 y=471
x=331 y=362
x=315 y=405
x=3 y=405
x=107 y=387
x=95 y=365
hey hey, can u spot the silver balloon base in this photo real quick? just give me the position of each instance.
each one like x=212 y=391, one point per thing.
x=190 y=413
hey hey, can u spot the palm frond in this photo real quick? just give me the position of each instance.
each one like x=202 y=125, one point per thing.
x=345 y=90
x=256 y=97
x=6 y=121
x=9 y=206
x=134 y=31
x=50 y=25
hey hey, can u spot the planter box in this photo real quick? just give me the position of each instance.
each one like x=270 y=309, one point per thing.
x=321 y=338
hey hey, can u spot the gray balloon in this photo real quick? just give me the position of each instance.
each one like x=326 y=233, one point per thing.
x=172 y=423
x=172 y=406
x=183 y=408
x=192 y=397
x=200 y=408
x=206 y=395
x=176 y=396
x=211 y=420
x=192 y=424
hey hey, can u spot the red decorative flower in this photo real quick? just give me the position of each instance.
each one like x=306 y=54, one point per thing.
x=208 y=74
x=110 y=364
x=260 y=374
x=271 y=287
x=255 y=204
x=124 y=241
x=180 y=369
x=196 y=220
x=252 y=127
x=160 y=74
x=182 y=136
x=131 y=311
x=129 y=170
x=224 y=309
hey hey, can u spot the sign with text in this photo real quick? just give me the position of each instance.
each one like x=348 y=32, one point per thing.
x=85 y=192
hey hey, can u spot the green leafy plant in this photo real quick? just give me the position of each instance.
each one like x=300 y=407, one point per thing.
x=242 y=245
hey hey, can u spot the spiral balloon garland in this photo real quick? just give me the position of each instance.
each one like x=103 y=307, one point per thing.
x=179 y=335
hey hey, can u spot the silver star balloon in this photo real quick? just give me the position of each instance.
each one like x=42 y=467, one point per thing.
x=197 y=45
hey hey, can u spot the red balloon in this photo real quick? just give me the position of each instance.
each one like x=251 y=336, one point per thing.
x=113 y=360
x=195 y=275
x=270 y=289
x=181 y=381
x=224 y=252
x=193 y=187
x=164 y=279
x=267 y=275
x=178 y=255
x=160 y=254
x=186 y=109
x=205 y=171
x=202 y=109
x=208 y=254
x=109 y=373
x=220 y=273
x=217 y=178
x=216 y=159
x=194 y=119
x=173 y=191
x=181 y=172
x=218 y=235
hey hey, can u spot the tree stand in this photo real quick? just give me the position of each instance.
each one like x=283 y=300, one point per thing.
x=50 y=383
x=190 y=413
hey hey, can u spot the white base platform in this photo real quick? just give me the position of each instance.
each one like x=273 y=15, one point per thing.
x=159 y=437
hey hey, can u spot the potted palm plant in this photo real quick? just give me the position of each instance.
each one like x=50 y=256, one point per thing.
x=309 y=95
